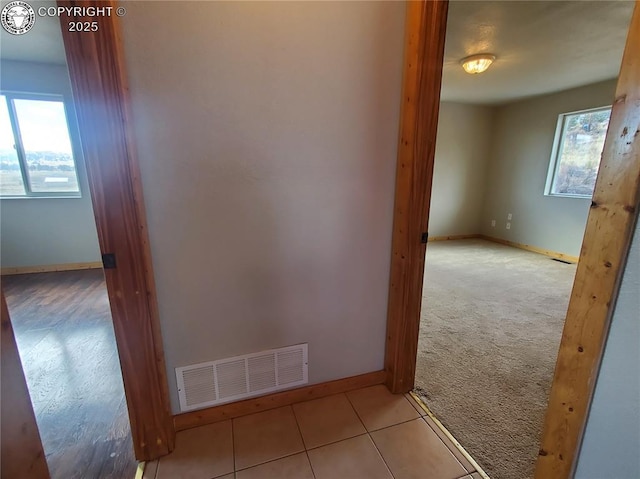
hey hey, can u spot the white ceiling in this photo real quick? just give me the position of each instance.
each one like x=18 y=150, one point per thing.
x=541 y=46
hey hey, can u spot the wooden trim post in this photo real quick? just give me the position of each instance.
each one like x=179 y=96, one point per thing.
x=423 y=57
x=610 y=226
x=100 y=91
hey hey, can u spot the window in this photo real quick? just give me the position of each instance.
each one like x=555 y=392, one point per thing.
x=36 y=157
x=576 y=152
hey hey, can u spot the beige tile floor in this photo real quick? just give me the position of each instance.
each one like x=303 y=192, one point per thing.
x=368 y=433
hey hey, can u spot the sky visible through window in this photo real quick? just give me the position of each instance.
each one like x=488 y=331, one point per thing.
x=576 y=167
x=43 y=125
x=44 y=135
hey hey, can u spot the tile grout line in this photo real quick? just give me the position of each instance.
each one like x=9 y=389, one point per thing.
x=417 y=402
x=387 y=427
x=313 y=473
x=390 y=425
x=381 y=456
x=277 y=458
x=446 y=444
x=155 y=473
x=233 y=447
x=453 y=440
x=371 y=437
x=356 y=411
x=397 y=424
x=295 y=416
x=339 y=440
x=304 y=444
x=267 y=462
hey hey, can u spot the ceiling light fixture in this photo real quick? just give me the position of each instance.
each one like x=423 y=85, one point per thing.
x=477 y=63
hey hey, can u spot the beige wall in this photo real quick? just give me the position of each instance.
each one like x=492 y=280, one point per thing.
x=462 y=150
x=615 y=411
x=267 y=137
x=47 y=231
x=519 y=159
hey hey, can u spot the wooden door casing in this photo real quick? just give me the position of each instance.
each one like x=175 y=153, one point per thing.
x=100 y=92
x=424 y=54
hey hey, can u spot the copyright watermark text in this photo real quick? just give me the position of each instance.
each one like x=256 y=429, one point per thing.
x=18 y=17
x=80 y=11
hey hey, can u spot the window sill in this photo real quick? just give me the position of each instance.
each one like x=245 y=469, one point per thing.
x=44 y=197
x=580 y=197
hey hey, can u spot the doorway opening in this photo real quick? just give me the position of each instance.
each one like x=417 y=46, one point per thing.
x=493 y=300
x=64 y=334
x=52 y=277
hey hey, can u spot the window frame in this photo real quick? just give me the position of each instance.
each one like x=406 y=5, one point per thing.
x=19 y=146
x=558 y=143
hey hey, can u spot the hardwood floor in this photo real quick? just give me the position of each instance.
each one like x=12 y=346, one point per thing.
x=65 y=338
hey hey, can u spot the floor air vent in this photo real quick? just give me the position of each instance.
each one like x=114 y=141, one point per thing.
x=562 y=261
x=225 y=380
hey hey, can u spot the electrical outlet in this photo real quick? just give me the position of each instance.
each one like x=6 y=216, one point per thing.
x=508 y=226
x=509 y=216
x=493 y=223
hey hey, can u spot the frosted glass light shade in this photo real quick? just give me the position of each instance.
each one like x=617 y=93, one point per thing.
x=477 y=63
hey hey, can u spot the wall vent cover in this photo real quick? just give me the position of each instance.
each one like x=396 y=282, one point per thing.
x=231 y=379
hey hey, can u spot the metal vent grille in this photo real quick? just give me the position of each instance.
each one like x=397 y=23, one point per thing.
x=262 y=372
x=231 y=379
x=198 y=385
x=290 y=366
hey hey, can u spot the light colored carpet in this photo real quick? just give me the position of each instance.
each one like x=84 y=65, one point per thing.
x=492 y=318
